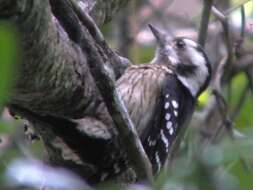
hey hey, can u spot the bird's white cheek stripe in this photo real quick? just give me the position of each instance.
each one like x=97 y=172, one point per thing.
x=190 y=42
x=194 y=82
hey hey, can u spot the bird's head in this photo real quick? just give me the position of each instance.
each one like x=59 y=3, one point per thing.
x=186 y=58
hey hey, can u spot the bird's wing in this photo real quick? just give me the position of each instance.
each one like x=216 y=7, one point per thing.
x=168 y=119
x=158 y=105
x=140 y=88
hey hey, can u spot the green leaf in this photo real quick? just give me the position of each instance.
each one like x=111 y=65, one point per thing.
x=8 y=57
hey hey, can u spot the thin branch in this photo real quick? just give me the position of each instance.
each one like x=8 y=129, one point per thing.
x=223 y=109
x=219 y=74
x=221 y=71
x=243 y=64
x=89 y=23
x=227 y=33
x=224 y=69
x=229 y=11
x=238 y=47
x=115 y=105
x=220 y=16
x=124 y=32
x=93 y=29
x=204 y=21
x=239 y=42
x=243 y=21
x=241 y=101
x=226 y=119
x=250 y=81
x=221 y=103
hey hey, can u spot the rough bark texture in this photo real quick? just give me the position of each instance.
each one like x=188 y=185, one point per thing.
x=53 y=75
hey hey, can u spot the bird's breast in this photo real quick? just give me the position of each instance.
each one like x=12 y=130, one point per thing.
x=140 y=88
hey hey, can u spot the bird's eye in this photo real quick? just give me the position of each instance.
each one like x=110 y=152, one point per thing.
x=180 y=44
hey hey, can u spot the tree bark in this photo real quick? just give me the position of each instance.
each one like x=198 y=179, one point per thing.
x=53 y=75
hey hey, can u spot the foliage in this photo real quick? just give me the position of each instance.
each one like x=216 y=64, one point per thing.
x=8 y=55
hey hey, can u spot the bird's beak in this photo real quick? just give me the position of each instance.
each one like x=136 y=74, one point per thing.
x=159 y=35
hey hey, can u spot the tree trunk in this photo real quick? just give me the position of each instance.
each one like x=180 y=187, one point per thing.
x=54 y=84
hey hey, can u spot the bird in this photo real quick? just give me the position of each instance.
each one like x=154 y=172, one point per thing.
x=161 y=96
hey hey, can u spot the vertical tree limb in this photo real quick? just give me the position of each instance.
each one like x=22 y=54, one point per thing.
x=206 y=11
x=114 y=104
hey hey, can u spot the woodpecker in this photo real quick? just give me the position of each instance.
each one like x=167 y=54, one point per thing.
x=160 y=97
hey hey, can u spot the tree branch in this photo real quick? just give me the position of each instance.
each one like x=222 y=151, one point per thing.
x=236 y=7
x=204 y=21
x=115 y=106
x=227 y=34
x=116 y=61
